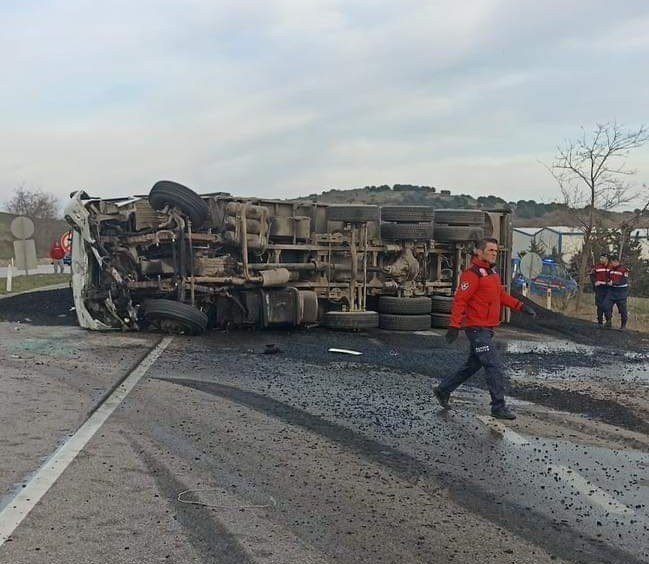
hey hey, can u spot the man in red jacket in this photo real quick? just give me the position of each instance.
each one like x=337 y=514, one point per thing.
x=56 y=254
x=476 y=307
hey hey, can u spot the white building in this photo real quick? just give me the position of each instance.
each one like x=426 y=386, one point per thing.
x=522 y=238
x=642 y=235
x=566 y=241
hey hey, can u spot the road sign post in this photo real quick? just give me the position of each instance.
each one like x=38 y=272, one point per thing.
x=10 y=275
x=22 y=229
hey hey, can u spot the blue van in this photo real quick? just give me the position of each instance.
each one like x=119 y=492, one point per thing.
x=553 y=275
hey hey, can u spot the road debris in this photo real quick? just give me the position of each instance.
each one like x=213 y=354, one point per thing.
x=345 y=351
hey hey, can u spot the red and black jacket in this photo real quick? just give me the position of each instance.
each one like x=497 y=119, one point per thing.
x=599 y=274
x=56 y=252
x=619 y=276
x=479 y=297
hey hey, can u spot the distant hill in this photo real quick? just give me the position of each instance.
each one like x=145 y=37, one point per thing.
x=45 y=232
x=404 y=194
x=526 y=213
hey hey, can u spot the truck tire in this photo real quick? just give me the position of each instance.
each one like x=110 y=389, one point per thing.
x=407 y=214
x=405 y=306
x=442 y=304
x=167 y=193
x=407 y=231
x=175 y=317
x=351 y=320
x=353 y=214
x=444 y=233
x=459 y=217
x=404 y=322
x=439 y=320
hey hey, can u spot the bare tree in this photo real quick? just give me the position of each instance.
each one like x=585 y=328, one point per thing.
x=33 y=203
x=629 y=225
x=592 y=174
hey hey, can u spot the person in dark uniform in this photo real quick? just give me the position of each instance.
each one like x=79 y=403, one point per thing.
x=477 y=308
x=618 y=292
x=599 y=279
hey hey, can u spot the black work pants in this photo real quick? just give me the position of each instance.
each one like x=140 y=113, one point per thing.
x=483 y=355
x=617 y=297
x=601 y=292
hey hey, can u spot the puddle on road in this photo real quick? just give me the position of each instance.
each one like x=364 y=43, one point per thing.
x=543 y=347
x=636 y=356
x=611 y=372
x=628 y=366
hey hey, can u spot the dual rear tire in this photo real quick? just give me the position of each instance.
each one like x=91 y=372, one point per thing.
x=404 y=314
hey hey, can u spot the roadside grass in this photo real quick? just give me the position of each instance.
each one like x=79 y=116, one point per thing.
x=24 y=283
x=638 y=311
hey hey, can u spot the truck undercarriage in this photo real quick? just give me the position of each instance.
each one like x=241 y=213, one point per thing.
x=180 y=262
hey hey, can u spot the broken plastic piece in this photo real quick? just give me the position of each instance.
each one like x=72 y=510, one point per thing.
x=345 y=351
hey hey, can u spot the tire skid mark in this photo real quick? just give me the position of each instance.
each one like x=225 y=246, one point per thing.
x=204 y=531
x=534 y=527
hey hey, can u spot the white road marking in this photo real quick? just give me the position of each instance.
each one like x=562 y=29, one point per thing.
x=595 y=494
x=20 y=506
x=501 y=429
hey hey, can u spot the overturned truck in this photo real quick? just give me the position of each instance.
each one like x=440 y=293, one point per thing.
x=181 y=262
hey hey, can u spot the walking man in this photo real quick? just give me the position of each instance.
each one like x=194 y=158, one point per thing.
x=618 y=292
x=477 y=308
x=599 y=276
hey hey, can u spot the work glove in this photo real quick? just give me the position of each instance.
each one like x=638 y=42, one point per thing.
x=451 y=334
x=529 y=311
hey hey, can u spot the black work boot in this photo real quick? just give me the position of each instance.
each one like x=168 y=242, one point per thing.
x=608 y=324
x=503 y=413
x=442 y=397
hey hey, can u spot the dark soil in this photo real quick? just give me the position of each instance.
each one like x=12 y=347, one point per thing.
x=584 y=332
x=48 y=307
x=604 y=410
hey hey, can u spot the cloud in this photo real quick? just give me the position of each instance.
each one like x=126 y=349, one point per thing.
x=281 y=98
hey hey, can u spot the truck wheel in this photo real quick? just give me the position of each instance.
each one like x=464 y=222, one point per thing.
x=351 y=320
x=445 y=233
x=175 y=317
x=167 y=193
x=406 y=306
x=442 y=304
x=404 y=322
x=460 y=217
x=353 y=214
x=407 y=214
x=439 y=320
x=407 y=231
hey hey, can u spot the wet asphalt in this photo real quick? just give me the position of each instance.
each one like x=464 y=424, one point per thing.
x=311 y=456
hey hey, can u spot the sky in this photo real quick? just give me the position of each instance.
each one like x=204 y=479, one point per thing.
x=282 y=98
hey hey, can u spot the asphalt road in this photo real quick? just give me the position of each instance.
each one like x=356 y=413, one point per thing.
x=221 y=453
